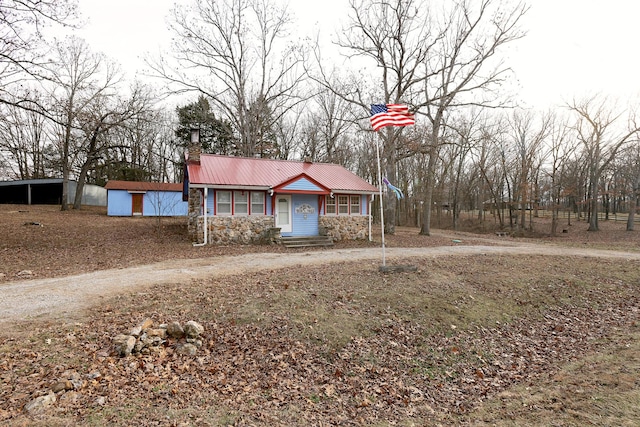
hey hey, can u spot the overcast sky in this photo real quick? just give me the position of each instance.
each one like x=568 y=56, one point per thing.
x=573 y=47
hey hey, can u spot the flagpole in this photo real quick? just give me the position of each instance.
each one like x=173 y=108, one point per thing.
x=381 y=204
x=383 y=115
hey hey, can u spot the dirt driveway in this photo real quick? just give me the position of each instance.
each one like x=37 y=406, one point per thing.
x=66 y=296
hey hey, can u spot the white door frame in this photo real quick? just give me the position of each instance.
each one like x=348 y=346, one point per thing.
x=286 y=227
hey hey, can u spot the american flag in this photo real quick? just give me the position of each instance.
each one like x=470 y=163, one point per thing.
x=390 y=115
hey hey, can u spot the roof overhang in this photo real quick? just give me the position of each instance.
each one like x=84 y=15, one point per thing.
x=280 y=188
x=231 y=187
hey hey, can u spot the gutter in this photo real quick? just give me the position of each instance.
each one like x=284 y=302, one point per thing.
x=206 y=194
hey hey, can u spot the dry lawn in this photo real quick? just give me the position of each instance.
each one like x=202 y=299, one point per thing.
x=473 y=340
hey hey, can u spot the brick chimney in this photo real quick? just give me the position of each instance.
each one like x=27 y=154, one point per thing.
x=195 y=148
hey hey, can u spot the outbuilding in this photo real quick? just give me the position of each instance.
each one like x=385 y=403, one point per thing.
x=48 y=191
x=135 y=198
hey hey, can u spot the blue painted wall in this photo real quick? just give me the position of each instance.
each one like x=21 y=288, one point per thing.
x=303 y=184
x=164 y=203
x=154 y=203
x=118 y=203
x=364 y=206
x=304 y=224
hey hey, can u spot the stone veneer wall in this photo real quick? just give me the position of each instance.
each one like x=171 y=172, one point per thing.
x=238 y=229
x=194 y=226
x=343 y=227
x=260 y=229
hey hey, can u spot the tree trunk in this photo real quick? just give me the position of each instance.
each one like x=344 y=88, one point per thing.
x=91 y=156
x=428 y=197
x=65 y=168
x=632 y=211
x=593 y=204
x=77 y=201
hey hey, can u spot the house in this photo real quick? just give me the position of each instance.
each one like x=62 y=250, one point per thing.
x=132 y=198
x=252 y=200
x=48 y=191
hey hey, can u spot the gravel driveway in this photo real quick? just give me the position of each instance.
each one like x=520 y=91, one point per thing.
x=65 y=296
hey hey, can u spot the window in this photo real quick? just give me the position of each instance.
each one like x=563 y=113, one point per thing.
x=355 y=205
x=223 y=202
x=241 y=202
x=343 y=205
x=330 y=205
x=257 y=203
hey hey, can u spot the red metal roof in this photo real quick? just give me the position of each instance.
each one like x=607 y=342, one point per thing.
x=142 y=186
x=268 y=173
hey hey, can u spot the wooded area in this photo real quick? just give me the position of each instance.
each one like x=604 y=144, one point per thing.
x=67 y=111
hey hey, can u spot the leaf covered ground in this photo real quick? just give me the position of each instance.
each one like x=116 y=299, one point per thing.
x=464 y=340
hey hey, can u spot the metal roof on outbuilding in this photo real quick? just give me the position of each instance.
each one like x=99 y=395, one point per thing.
x=142 y=186
x=228 y=171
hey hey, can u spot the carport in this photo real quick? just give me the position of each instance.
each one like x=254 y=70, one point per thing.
x=48 y=192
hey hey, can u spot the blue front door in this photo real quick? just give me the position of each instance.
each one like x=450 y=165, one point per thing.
x=305 y=215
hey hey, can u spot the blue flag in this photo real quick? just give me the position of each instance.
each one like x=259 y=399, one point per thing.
x=393 y=188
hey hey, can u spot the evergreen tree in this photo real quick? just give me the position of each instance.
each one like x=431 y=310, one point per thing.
x=216 y=135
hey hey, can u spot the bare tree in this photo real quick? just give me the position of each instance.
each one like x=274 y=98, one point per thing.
x=104 y=113
x=493 y=162
x=325 y=129
x=469 y=131
x=392 y=36
x=23 y=137
x=528 y=138
x=233 y=51
x=80 y=78
x=433 y=62
x=21 y=43
x=630 y=170
x=601 y=139
x=460 y=70
x=561 y=147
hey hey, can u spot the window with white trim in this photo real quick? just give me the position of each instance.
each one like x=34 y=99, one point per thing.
x=257 y=203
x=330 y=205
x=355 y=205
x=241 y=203
x=343 y=205
x=223 y=202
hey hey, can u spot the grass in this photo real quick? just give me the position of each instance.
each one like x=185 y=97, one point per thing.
x=347 y=338
x=601 y=389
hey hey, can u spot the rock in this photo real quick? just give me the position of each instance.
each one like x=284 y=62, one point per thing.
x=136 y=331
x=94 y=375
x=75 y=379
x=195 y=341
x=159 y=333
x=25 y=274
x=40 y=404
x=124 y=344
x=62 y=386
x=100 y=401
x=193 y=329
x=187 y=349
x=146 y=324
x=174 y=329
x=69 y=397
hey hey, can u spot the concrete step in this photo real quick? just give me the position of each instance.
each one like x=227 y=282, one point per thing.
x=306 y=241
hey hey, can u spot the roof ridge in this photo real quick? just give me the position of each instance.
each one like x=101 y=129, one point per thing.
x=268 y=159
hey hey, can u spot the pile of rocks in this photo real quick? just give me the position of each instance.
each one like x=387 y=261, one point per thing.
x=145 y=338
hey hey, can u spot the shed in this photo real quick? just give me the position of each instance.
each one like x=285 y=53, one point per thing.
x=135 y=198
